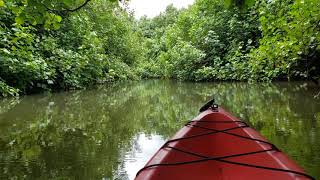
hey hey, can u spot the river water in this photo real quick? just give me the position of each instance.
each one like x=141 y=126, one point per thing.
x=110 y=132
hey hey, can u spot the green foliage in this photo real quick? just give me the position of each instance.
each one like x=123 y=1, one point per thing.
x=52 y=45
x=181 y=61
x=245 y=40
x=45 y=12
x=6 y=90
x=290 y=43
x=95 y=44
x=242 y=4
x=205 y=42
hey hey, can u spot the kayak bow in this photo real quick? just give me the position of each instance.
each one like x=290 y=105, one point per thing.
x=217 y=145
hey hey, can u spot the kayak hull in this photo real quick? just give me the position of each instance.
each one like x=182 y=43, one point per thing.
x=217 y=145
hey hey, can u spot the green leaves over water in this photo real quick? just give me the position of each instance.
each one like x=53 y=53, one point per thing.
x=92 y=45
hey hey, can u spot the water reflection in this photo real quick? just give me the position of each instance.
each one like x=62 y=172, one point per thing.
x=110 y=132
x=143 y=149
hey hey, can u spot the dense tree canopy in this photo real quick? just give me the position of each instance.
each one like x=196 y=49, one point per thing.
x=235 y=40
x=64 y=48
x=67 y=44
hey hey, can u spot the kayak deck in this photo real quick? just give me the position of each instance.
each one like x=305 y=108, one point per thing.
x=216 y=145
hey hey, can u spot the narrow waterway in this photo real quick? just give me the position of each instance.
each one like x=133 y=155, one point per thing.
x=110 y=132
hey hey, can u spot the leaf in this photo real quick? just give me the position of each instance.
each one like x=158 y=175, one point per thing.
x=249 y=3
x=1 y=3
x=50 y=82
x=228 y=3
x=58 y=18
x=56 y=25
x=19 y=20
x=16 y=10
x=6 y=51
x=68 y=2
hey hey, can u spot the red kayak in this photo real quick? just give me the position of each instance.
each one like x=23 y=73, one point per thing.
x=217 y=145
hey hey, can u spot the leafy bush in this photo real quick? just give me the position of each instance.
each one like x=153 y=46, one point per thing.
x=184 y=59
x=7 y=90
x=290 y=43
x=241 y=41
x=94 y=44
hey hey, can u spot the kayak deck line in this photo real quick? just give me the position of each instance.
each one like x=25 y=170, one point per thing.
x=196 y=157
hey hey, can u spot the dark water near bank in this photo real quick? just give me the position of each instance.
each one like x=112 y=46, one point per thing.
x=110 y=132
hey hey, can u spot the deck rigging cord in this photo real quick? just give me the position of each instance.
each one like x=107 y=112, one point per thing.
x=212 y=131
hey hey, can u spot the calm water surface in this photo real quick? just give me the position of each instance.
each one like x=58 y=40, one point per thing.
x=110 y=132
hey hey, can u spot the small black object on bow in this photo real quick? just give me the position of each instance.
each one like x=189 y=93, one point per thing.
x=211 y=104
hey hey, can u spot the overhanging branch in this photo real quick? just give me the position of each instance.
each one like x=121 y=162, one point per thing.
x=84 y=4
x=66 y=10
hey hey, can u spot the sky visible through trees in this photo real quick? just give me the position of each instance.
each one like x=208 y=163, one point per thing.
x=152 y=8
